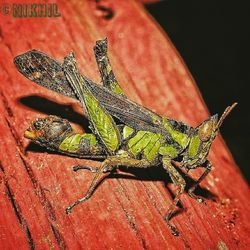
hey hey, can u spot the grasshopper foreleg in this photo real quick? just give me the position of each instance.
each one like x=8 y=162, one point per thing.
x=180 y=182
x=191 y=190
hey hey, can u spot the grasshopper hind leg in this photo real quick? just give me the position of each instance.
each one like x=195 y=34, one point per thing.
x=83 y=167
x=108 y=165
x=91 y=169
x=107 y=75
x=99 y=173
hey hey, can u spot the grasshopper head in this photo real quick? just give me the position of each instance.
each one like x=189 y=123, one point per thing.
x=47 y=131
x=201 y=140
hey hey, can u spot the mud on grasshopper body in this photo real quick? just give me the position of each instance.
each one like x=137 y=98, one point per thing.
x=141 y=139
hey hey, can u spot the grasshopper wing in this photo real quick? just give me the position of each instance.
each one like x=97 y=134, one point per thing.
x=101 y=121
x=128 y=112
x=43 y=70
x=47 y=72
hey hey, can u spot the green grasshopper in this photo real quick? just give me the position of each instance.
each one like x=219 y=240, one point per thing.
x=124 y=133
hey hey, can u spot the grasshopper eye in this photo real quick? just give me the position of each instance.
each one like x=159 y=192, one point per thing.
x=205 y=131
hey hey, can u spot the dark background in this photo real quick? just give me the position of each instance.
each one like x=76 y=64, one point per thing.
x=213 y=39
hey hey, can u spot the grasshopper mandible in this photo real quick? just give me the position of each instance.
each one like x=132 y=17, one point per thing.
x=141 y=139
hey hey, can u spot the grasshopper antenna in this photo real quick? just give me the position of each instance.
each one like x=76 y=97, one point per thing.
x=226 y=113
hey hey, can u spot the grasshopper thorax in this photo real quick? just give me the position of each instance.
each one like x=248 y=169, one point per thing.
x=49 y=130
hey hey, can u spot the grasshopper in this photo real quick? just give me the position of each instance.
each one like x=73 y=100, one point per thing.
x=124 y=133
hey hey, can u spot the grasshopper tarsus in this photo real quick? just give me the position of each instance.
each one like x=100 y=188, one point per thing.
x=196 y=197
x=83 y=167
x=68 y=210
x=173 y=229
